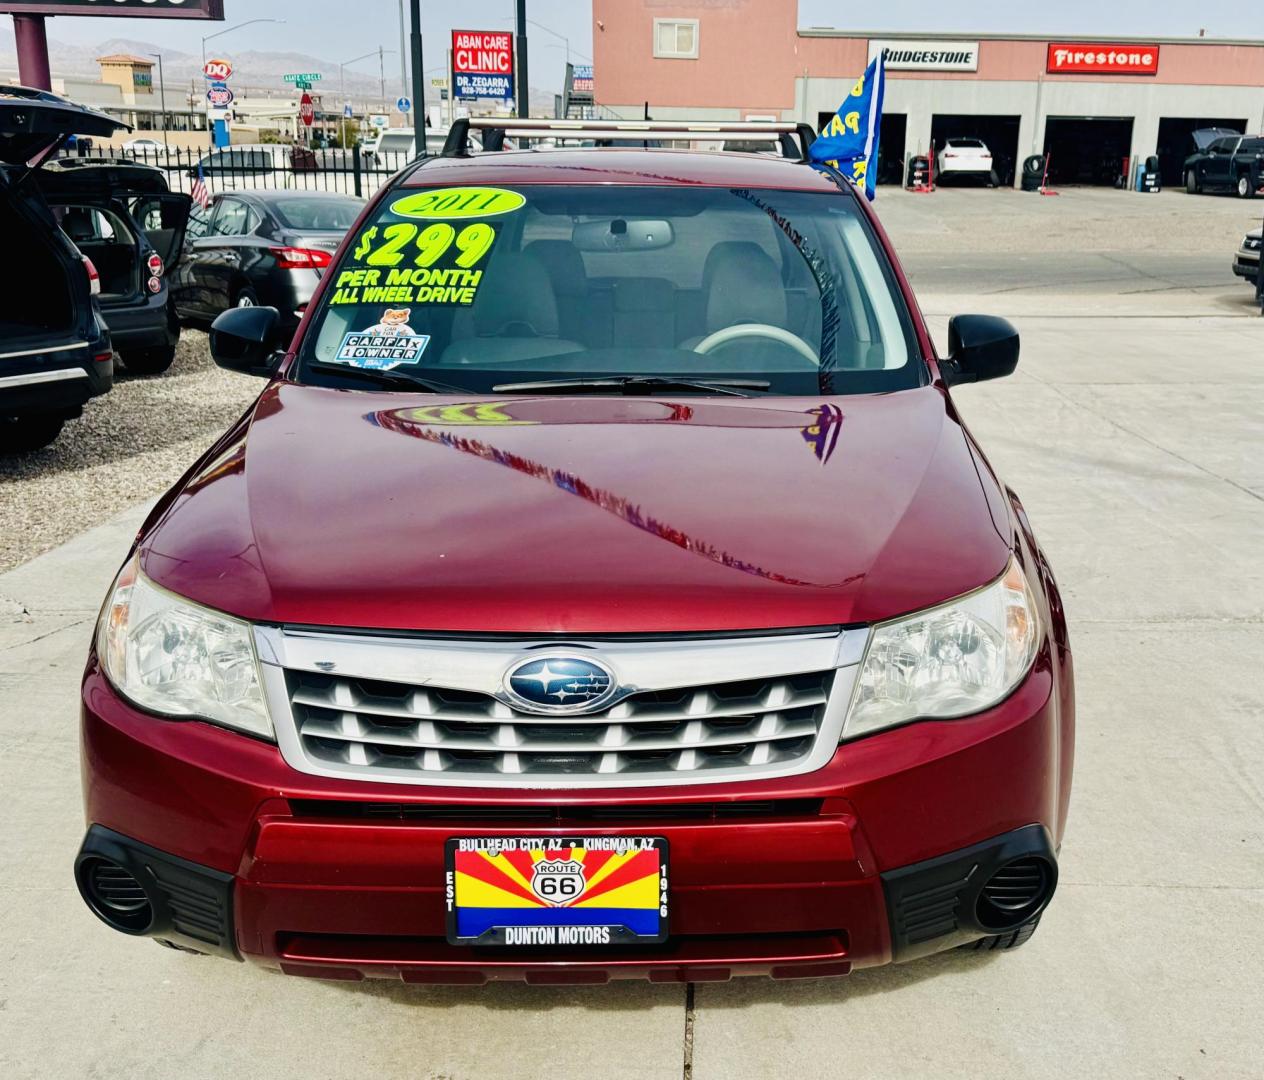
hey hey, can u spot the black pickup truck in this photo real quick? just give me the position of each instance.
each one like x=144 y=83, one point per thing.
x=1228 y=163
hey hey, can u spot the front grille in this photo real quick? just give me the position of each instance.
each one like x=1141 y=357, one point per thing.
x=369 y=724
x=555 y=816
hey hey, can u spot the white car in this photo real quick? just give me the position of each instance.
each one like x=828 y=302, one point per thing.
x=964 y=157
x=143 y=148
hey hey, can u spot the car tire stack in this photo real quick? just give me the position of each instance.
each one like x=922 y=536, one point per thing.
x=1033 y=172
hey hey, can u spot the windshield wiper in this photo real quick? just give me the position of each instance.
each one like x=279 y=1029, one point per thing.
x=392 y=380
x=644 y=384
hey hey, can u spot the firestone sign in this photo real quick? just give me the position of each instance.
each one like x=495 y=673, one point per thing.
x=483 y=64
x=160 y=9
x=1067 y=58
x=904 y=55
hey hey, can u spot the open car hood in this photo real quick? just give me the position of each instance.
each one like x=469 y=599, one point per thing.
x=1204 y=137
x=34 y=121
x=87 y=176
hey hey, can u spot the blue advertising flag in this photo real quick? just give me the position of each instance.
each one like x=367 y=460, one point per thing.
x=849 y=141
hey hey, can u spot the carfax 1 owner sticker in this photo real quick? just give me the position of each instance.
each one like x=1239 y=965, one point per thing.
x=430 y=248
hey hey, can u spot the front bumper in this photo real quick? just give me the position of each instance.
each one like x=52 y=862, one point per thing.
x=808 y=875
x=1246 y=263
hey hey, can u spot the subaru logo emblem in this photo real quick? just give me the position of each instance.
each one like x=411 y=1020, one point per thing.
x=560 y=684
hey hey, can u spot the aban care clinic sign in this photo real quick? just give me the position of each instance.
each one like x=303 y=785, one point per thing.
x=483 y=64
x=1077 y=58
x=160 y=9
x=903 y=55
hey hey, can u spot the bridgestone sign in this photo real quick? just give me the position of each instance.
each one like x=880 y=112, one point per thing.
x=901 y=55
x=154 y=9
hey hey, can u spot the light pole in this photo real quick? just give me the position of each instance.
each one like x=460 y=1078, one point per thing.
x=221 y=33
x=380 y=53
x=162 y=101
x=524 y=87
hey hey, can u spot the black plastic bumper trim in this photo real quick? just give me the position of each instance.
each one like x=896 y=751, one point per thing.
x=933 y=904
x=192 y=904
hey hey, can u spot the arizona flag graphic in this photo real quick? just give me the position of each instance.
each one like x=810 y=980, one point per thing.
x=592 y=891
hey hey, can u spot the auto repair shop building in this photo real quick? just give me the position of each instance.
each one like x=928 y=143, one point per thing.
x=1090 y=103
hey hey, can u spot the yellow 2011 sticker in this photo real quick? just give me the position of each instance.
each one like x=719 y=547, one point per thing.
x=458 y=202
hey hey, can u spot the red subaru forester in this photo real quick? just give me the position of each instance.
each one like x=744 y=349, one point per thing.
x=603 y=585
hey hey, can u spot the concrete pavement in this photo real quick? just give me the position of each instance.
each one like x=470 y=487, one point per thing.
x=1135 y=444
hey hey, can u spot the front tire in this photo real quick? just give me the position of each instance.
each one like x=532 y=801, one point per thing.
x=23 y=434
x=1191 y=183
x=1012 y=939
x=1246 y=190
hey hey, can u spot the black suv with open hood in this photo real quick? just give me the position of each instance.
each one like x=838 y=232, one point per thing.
x=55 y=350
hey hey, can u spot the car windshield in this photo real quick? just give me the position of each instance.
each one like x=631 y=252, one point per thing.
x=483 y=288
x=314 y=212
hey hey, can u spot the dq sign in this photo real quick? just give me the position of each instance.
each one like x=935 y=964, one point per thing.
x=217 y=70
x=160 y=9
x=483 y=64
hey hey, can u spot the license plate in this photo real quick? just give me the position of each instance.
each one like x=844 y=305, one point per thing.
x=565 y=891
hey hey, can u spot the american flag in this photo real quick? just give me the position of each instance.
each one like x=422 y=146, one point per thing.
x=200 y=194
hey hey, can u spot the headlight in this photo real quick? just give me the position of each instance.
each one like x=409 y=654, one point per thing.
x=950 y=661
x=170 y=656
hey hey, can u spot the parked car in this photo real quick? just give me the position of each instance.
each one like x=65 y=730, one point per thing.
x=966 y=159
x=55 y=349
x=260 y=247
x=1246 y=263
x=396 y=147
x=1228 y=163
x=253 y=165
x=125 y=219
x=603 y=584
x=144 y=148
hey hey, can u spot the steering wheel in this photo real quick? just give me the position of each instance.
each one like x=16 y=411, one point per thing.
x=757 y=330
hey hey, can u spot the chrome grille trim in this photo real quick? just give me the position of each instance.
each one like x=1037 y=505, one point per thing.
x=434 y=712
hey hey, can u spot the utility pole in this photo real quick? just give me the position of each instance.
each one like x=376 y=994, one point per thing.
x=403 y=51
x=162 y=100
x=520 y=47
x=419 y=81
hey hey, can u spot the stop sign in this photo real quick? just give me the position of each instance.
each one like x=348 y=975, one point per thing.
x=306 y=110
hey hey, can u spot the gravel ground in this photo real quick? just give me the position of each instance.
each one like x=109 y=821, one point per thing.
x=129 y=445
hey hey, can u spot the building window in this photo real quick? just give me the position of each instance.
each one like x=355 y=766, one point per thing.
x=676 y=39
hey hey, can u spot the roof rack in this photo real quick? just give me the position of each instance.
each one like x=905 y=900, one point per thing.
x=497 y=128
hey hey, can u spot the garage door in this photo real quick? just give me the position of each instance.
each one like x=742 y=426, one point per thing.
x=1087 y=149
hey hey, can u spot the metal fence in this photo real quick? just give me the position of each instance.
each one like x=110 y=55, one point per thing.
x=356 y=171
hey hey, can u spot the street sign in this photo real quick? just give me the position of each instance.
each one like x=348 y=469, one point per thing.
x=347 y=111
x=302 y=86
x=307 y=110
x=303 y=77
x=218 y=96
x=217 y=70
x=483 y=64
x=404 y=105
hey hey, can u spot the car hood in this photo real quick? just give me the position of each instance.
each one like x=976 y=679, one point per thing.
x=581 y=514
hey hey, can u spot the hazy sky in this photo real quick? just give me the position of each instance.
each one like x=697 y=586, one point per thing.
x=336 y=30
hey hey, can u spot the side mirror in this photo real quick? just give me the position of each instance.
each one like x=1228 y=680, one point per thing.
x=247 y=340
x=979 y=347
